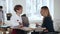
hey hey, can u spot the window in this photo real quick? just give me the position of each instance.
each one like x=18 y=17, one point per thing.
x=9 y=6
x=33 y=8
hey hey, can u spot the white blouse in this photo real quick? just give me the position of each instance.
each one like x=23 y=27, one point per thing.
x=15 y=20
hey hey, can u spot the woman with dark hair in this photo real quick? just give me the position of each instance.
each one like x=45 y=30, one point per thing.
x=47 y=20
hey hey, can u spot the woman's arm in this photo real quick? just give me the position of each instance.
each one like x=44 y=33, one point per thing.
x=49 y=24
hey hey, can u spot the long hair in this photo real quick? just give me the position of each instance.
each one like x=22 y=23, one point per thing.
x=45 y=7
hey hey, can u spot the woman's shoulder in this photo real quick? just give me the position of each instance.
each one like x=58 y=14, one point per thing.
x=48 y=17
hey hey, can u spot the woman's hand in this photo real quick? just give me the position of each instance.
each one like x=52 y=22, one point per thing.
x=21 y=25
x=37 y=24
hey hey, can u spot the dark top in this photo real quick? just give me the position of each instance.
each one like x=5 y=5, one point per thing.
x=48 y=23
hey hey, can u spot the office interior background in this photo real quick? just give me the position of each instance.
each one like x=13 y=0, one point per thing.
x=32 y=9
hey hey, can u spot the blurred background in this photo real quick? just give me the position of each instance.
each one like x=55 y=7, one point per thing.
x=32 y=9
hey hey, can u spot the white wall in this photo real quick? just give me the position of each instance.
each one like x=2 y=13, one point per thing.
x=56 y=9
x=57 y=14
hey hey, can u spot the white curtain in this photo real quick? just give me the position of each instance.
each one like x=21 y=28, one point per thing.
x=33 y=8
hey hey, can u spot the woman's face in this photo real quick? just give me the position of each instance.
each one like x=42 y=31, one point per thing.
x=19 y=11
x=44 y=12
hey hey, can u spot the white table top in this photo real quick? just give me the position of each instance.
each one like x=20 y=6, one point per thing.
x=29 y=29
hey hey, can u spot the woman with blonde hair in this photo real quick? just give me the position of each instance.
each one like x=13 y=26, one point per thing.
x=47 y=20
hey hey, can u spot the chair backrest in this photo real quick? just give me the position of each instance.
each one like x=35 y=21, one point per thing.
x=25 y=21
